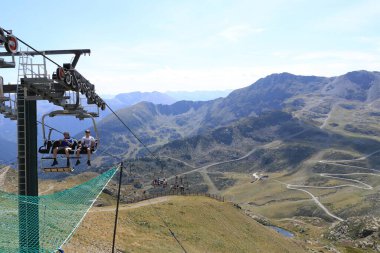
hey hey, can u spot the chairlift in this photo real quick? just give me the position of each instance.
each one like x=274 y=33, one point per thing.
x=159 y=182
x=132 y=175
x=180 y=185
x=46 y=150
x=159 y=179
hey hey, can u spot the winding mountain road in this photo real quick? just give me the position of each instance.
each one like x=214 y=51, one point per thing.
x=204 y=169
x=340 y=176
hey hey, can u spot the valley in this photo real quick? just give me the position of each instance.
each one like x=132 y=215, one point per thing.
x=314 y=141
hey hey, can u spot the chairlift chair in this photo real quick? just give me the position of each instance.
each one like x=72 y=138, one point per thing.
x=46 y=150
x=180 y=185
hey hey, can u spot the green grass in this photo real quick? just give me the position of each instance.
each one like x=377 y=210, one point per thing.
x=201 y=224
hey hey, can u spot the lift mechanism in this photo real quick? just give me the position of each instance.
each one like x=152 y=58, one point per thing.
x=18 y=102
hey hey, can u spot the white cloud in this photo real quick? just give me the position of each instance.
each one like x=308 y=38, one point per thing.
x=236 y=33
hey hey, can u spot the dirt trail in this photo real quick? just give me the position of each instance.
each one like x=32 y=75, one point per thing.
x=132 y=206
x=204 y=169
x=2 y=177
x=212 y=189
x=326 y=121
x=50 y=188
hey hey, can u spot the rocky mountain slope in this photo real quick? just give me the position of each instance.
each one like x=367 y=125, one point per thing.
x=310 y=99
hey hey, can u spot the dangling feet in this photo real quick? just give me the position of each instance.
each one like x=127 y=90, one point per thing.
x=88 y=163
x=68 y=162
x=77 y=163
x=54 y=162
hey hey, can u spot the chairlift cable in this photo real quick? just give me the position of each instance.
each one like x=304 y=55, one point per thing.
x=130 y=130
x=167 y=226
x=153 y=155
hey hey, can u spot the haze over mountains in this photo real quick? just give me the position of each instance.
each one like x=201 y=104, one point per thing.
x=197 y=95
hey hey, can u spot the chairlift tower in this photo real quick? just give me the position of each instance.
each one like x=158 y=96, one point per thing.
x=19 y=102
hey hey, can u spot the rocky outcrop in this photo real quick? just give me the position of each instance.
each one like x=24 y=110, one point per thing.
x=260 y=219
x=361 y=232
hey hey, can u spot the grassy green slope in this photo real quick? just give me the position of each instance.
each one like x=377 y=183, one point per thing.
x=201 y=224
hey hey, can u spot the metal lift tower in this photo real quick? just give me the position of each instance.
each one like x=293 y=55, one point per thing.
x=19 y=102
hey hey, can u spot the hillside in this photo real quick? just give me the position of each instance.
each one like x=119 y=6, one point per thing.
x=75 y=126
x=201 y=224
x=8 y=151
x=233 y=141
x=320 y=101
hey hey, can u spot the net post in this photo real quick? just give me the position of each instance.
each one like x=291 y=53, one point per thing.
x=117 y=207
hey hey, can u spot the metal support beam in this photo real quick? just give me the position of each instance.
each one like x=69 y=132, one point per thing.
x=27 y=173
x=48 y=52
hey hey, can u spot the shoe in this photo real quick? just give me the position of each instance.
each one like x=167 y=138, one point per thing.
x=88 y=163
x=77 y=163
x=54 y=163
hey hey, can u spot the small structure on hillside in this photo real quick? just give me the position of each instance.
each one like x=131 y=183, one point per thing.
x=259 y=176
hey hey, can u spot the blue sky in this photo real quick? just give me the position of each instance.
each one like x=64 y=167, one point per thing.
x=200 y=44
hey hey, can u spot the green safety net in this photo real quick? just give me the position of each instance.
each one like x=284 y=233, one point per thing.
x=45 y=223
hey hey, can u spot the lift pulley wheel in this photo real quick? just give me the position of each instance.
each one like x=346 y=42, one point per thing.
x=11 y=45
x=61 y=73
x=74 y=84
x=68 y=79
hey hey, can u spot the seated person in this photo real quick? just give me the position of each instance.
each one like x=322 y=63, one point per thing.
x=86 y=145
x=65 y=144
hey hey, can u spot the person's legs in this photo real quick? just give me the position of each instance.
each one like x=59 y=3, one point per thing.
x=88 y=156
x=78 y=156
x=67 y=152
x=55 y=152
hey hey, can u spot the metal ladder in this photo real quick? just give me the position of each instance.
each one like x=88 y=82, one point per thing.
x=21 y=134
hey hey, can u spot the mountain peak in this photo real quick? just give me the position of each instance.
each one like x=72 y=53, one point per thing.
x=359 y=85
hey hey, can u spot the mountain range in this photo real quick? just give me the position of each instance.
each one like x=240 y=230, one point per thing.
x=302 y=151
x=308 y=98
x=8 y=134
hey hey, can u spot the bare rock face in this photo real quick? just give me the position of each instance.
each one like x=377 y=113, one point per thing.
x=361 y=232
x=357 y=85
x=260 y=219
